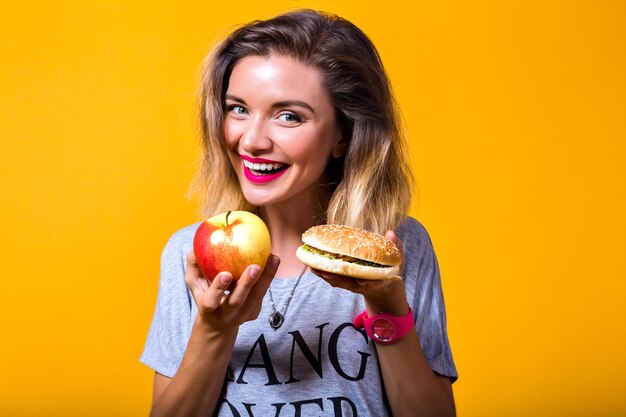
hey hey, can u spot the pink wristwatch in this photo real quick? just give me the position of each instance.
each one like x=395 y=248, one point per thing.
x=385 y=328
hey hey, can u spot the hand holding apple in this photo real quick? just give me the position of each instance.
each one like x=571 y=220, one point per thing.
x=230 y=242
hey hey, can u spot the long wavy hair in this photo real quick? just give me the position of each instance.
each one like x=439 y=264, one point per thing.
x=372 y=181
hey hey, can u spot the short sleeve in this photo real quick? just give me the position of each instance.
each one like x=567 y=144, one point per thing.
x=425 y=295
x=172 y=320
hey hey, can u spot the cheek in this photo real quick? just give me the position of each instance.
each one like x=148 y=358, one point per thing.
x=232 y=133
x=312 y=144
x=300 y=149
x=231 y=140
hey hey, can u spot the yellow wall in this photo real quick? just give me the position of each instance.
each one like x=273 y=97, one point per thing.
x=517 y=119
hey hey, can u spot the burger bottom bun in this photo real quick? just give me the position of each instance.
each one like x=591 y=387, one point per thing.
x=339 y=267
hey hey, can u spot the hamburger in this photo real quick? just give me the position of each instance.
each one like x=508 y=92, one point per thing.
x=350 y=251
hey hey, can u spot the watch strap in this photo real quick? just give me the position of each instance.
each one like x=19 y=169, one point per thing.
x=385 y=328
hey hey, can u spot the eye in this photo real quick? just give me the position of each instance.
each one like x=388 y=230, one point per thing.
x=290 y=118
x=236 y=109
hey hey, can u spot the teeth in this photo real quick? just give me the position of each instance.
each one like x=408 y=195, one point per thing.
x=261 y=167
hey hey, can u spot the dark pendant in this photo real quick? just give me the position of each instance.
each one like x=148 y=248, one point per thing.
x=276 y=320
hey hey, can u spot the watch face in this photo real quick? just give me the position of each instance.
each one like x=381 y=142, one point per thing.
x=383 y=329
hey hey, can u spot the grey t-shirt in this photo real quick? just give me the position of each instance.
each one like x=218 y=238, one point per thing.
x=317 y=363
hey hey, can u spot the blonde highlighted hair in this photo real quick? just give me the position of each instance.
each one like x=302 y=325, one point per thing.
x=372 y=181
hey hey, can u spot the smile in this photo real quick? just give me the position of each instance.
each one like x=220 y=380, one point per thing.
x=262 y=169
x=261 y=172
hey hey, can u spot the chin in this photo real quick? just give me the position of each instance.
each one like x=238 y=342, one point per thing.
x=281 y=191
x=262 y=197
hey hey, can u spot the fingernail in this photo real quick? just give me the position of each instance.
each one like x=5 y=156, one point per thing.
x=225 y=279
x=255 y=271
x=273 y=262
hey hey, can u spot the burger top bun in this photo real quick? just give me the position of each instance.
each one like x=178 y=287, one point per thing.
x=347 y=246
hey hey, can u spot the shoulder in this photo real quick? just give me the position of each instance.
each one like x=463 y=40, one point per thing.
x=174 y=261
x=419 y=255
x=183 y=236
x=412 y=233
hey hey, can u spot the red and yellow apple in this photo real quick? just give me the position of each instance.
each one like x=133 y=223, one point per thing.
x=230 y=242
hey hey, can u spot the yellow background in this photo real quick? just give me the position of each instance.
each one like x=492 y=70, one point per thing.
x=517 y=119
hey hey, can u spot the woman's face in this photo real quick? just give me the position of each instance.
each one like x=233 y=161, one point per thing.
x=280 y=128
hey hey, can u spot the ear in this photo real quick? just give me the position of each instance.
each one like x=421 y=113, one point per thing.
x=345 y=134
x=340 y=148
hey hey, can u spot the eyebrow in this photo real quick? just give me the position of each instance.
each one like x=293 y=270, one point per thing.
x=284 y=103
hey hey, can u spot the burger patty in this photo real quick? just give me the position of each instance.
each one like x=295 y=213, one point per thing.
x=341 y=257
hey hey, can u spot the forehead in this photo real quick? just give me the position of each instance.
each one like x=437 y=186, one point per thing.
x=276 y=77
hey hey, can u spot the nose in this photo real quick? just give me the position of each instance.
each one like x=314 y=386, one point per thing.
x=255 y=137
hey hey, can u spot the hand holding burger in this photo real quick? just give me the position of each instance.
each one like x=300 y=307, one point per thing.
x=358 y=261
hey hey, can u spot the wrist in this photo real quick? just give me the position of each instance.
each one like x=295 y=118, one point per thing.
x=389 y=299
x=394 y=304
x=385 y=328
x=396 y=309
x=205 y=330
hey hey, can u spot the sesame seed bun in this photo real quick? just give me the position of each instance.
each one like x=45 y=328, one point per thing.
x=350 y=251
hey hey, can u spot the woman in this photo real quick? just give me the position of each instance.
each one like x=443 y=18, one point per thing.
x=299 y=125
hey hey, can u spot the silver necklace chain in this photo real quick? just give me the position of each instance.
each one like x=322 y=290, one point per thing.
x=276 y=317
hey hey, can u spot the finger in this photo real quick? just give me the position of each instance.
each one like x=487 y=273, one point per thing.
x=340 y=281
x=325 y=275
x=192 y=262
x=212 y=298
x=322 y=274
x=331 y=277
x=245 y=284
x=194 y=278
x=266 y=277
x=191 y=258
x=253 y=302
x=391 y=236
x=334 y=280
x=268 y=274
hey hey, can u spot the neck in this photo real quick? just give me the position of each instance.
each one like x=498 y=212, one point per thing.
x=287 y=221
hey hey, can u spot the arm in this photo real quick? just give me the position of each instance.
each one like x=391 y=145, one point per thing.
x=410 y=383
x=401 y=368
x=196 y=387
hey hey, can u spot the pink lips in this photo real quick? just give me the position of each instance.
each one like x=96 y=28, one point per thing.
x=260 y=179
